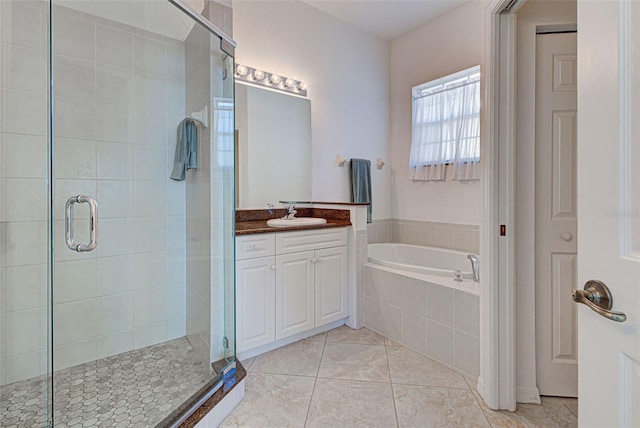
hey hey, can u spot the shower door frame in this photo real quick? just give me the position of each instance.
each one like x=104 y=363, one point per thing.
x=227 y=46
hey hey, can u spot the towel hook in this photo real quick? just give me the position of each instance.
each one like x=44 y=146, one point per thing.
x=202 y=117
x=340 y=160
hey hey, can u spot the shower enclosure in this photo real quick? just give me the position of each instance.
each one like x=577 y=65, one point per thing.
x=116 y=282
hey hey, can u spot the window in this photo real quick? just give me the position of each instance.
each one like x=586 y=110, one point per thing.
x=446 y=127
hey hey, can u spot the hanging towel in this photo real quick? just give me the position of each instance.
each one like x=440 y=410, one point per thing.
x=361 y=183
x=186 y=156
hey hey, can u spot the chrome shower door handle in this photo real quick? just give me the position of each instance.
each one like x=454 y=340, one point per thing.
x=69 y=223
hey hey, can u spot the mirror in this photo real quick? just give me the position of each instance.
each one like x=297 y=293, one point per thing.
x=273 y=147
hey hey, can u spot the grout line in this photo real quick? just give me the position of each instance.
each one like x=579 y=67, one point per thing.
x=565 y=405
x=481 y=407
x=393 y=397
x=313 y=390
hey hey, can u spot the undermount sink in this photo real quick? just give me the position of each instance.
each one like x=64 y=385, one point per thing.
x=298 y=221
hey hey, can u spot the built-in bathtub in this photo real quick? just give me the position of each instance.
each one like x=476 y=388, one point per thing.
x=411 y=297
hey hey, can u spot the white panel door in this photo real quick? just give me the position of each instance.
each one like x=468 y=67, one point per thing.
x=609 y=209
x=294 y=293
x=330 y=285
x=256 y=301
x=556 y=214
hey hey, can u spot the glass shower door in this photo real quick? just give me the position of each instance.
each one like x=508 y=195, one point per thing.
x=25 y=387
x=139 y=319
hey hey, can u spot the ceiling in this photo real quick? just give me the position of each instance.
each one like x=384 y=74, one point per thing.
x=387 y=19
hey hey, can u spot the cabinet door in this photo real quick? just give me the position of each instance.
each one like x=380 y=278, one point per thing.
x=294 y=293
x=330 y=285
x=256 y=294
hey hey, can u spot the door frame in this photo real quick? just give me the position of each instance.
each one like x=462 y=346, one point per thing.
x=497 y=383
x=525 y=240
x=497 y=380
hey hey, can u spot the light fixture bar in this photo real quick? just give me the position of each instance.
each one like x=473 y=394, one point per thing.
x=270 y=80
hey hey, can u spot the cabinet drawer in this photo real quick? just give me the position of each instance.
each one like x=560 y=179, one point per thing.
x=291 y=242
x=251 y=246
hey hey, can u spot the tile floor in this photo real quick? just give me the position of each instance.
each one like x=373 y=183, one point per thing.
x=357 y=378
x=134 y=389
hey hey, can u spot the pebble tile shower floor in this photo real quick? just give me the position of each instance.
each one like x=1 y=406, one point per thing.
x=134 y=389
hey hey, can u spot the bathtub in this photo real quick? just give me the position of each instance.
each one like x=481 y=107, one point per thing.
x=427 y=260
x=411 y=297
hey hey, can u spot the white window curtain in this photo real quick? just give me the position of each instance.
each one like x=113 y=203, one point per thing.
x=446 y=130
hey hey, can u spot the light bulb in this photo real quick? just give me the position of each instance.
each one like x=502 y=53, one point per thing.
x=301 y=87
x=275 y=79
x=258 y=74
x=242 y=70
x=289 y=83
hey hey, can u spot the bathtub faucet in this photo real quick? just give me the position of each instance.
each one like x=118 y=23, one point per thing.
x=475 y=267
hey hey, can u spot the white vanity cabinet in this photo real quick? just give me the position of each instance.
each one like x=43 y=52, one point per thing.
x=255 y=288
x=299 y=286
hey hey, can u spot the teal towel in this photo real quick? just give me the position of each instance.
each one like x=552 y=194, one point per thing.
x=361 y=183
x=186 y=156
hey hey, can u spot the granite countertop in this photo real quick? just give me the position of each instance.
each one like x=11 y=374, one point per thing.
x=254 y=227
x=249 y=222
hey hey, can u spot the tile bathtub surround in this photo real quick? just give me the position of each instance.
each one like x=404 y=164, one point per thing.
x=119 y=95
x=431 y=234
x=412 y=391
x=434 y=320
x=379 y=231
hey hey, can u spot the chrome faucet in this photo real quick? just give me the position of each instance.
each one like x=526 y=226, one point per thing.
x=475 y=267
x=291 y=213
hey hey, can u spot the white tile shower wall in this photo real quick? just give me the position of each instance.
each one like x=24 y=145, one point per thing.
x=431 y=319
x=119 y=95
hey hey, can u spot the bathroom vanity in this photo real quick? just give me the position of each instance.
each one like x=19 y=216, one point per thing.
x=290 y=282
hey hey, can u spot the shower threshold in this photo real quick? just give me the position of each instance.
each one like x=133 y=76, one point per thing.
x=138 y=388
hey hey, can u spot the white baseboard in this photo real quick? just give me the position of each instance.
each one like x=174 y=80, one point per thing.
x=250 y=353
x=221 y=410
x=527 y=395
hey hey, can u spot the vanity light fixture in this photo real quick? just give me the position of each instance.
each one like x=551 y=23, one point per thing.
x=270 y=80
x=242 y=70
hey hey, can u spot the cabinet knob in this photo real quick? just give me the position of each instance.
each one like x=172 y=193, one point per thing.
x=256 y=247
x=272 y=267
x=313 y=260
x=319 y=260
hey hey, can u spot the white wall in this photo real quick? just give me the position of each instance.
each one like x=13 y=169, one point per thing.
x=448 y=44
x=347 y=72
x=534 y=12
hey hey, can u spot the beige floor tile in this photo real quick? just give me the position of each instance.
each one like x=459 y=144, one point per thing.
x=572 y=405
x=320 y=337
x=424 y=406
x=300 y=358
x=247 y=363
x=354 y=362
x=410 y=368
x=352 y=404
x=390 y=342
x=550 y=414
x=272 y=401
x=344 y=334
